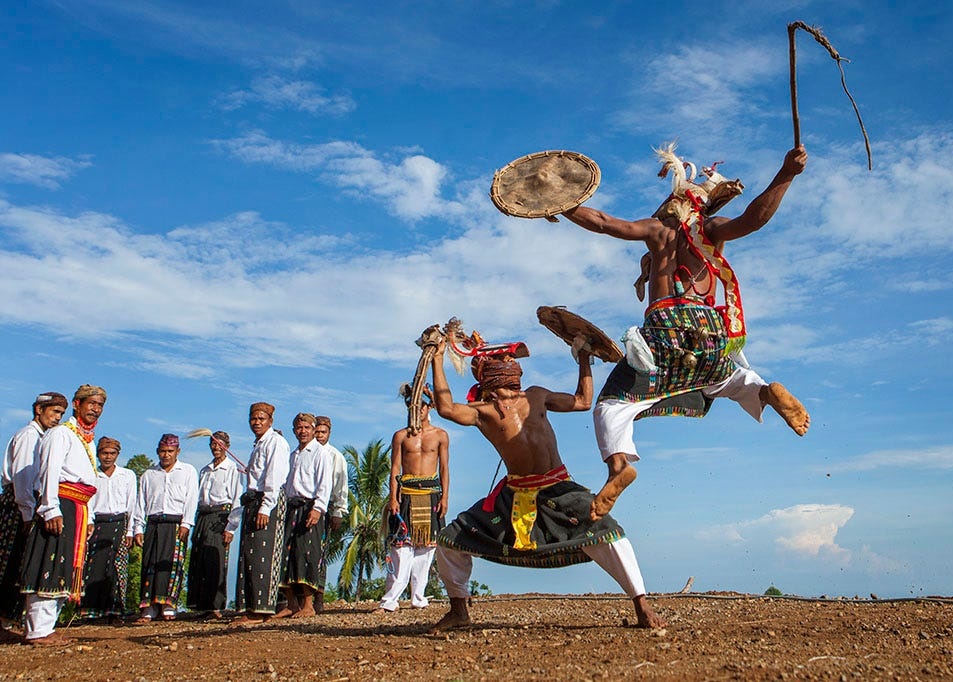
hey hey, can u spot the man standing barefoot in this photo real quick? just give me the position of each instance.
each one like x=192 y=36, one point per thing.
x=536 y=516
x=419 y=491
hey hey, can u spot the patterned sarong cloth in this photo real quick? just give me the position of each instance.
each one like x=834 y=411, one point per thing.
x=163 y=561
x=537 y=521
x=420 y=510
x=208 y=562
x=107 y=560
x=53 y=564
x=13 y=535
x=688 y=340
x=304 y=549
x=261 y=556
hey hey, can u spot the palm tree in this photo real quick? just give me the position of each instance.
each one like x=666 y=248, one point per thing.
x=365 y=549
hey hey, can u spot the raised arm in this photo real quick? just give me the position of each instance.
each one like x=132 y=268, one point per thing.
x=644 y=230
x=763 y=207
x=443 y=400
x=581 y=400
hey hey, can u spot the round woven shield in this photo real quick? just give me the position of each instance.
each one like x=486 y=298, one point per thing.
x=568 y=326
x=544 y=184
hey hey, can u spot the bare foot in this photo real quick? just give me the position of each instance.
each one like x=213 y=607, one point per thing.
x=284 y=613
x=787 y=406
x=142 y=620
x=451 y=621
x=305 y=612
x=253 y=619
x=52 y=639
x=621 y=475
x=647 y=617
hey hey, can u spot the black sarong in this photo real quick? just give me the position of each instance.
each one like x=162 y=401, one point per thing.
x=420 y=511
x=105 y=575
x=13 y=535
x=260 y=556
x=303 y=545
x=163 y=561
x=560 y=528
x=208 y=562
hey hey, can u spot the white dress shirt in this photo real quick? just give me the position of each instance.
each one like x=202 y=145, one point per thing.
x=19 y=466
x=338 y=505
x=222 y=484
x=174 y=492
x=310 y=474
x=115 y=494
x=268 y=468
x=61 y=456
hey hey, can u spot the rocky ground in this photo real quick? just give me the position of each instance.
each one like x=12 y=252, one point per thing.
x=528 y=637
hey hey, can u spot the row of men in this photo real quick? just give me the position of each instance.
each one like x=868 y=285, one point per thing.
x=55 y=506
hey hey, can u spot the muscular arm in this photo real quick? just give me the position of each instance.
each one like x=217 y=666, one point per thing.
x=763 y=207
x=443 y=463
x=442 y=398
x=581 y=400
x=645 y=230
x=396 y=456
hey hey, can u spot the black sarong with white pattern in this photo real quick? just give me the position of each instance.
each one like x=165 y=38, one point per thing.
x=208 y=562
x=304 y=549
x=163 y=561
x=104 y=574
x=48 y=559
x=561 y=529
x=13 y=534
x=261 y=556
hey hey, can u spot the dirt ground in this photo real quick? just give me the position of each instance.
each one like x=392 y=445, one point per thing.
x=528 y=637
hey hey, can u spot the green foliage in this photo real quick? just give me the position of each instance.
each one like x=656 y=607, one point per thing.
x=434 y=584
x=373 y=588
x=134 y=579
x=363 y=543
x=773 y=592
x=478 y=589
x=139 y=464
x=330 y=595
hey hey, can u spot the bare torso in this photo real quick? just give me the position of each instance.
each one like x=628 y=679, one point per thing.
x=670 y=252
x=419 y=453
x=523 y=436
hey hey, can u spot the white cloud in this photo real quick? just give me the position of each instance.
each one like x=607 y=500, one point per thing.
x=43 y=171
x=804 y=530
x=938 y=457
x=278 y=92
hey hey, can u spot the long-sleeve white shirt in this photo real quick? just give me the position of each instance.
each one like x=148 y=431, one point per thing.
x=174 y=492
x=268 y=468
x=338 y=504
x=310 y=474
x=115 y=494
x=19 y=466
x=222 y=484
x=61 y=456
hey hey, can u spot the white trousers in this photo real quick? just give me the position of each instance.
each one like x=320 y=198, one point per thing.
x=614 y=419
x=615 y=558
x=410 y=564
x=155 y=610
x=41 y=615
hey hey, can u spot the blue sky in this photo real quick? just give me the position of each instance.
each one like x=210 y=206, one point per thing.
x=207 y=204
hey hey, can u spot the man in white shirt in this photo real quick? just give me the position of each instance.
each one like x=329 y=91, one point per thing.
x=337 y=506
x=56 y=548
x=219 y=513
x=308 y=489
x=18 y=473
x=107 y=556
x=261 y=553
x=165 y=510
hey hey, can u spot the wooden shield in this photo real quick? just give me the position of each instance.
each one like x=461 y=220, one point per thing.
x=568 y=326
x=544 y=184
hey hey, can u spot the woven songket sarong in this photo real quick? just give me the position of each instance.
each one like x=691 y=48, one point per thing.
x=107 y=559
x=13 y=537
x=261 y=556
x=538 y=521
x=163 y=561
x=208 y=561
x=420 y=510
x=304 y=549
x=53 y=564
x=688 y=342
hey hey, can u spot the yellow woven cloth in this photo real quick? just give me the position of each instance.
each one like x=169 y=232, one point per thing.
x=525 y=489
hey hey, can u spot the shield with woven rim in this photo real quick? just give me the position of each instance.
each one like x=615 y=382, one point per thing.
x=567 y=326
x=544 y=184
